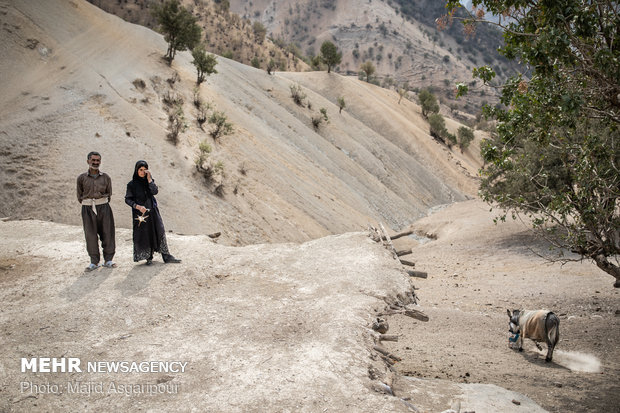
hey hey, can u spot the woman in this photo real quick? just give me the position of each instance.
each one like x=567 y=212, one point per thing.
x=148 y=228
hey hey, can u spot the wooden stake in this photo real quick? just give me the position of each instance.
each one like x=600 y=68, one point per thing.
x=419 y=274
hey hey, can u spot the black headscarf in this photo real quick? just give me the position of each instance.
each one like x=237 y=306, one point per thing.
x=140 y=186
x=139 y=165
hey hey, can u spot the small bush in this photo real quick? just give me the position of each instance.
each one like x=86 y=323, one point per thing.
x=341 y=103
x=176 y=124
x=172 y=98
x=298 y=95
x=316 y=121
x=139 y=84
x=204 y=150
x=324 y=114
x=222 y=126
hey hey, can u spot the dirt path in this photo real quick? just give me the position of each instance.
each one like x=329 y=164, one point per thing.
x=476 y=271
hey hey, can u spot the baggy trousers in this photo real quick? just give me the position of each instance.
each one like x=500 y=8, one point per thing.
x=99 y=225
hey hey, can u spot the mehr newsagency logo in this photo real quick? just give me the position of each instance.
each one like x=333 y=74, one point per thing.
x=75 y=365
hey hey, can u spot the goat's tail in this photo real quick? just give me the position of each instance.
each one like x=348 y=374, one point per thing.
x=552 y=329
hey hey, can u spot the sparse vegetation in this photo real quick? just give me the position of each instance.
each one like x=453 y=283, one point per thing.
x=341 y=103
x=259 y=32
x=437 y=127
x=270 y=66
x=465 y=137
x=297 y=94
x=176 y=123
x=204 y=63
x=222 y=127
x=330 y=55
x=178 y=26
x=368 y=69
x=139 y=84
x=428 y=101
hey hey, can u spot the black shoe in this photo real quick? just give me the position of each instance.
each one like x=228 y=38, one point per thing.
x=149 y=261
x=169 y=259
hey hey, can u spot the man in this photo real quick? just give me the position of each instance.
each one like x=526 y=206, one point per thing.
x=94 y=189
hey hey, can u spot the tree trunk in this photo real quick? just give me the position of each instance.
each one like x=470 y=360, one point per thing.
x=609 y=268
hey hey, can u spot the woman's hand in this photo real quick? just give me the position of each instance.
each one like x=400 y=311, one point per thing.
x=148 y=175
x=141 y=208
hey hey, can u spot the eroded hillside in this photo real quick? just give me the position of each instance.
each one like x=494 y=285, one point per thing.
x=78 y=79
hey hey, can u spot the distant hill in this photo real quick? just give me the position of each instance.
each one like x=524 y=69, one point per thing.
x=225 y=33
x=399 y=37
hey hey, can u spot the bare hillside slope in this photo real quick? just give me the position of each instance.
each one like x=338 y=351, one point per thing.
x=72 y=82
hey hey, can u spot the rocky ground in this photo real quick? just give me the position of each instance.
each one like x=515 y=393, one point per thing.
x=477 y=270
x=286 y=327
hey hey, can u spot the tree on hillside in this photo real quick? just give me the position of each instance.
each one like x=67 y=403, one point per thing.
x=341 y=103
x=465 y=137
x=259 y=32
x=438 y=127
x=205 y=63
x=330 y=55
x=428 y=101
x=555 y=157
x=178 y=26
x=368 y=68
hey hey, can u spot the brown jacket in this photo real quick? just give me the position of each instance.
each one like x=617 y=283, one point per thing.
x=89 y=187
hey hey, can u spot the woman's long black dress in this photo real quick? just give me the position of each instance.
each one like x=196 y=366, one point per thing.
x=148 y=236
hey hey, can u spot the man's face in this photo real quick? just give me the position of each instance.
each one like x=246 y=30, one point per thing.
x=93 y=162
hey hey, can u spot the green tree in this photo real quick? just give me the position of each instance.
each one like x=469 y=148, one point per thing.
x=259 y=32
x=438 y=127
x=465 y=137
x=556 y=154
x=220 y=123
x=341 y=103
x=428 y=101
x=205 y=63
x=368 y=68
x=270 y=66
x=330 y=55
x=178 y=27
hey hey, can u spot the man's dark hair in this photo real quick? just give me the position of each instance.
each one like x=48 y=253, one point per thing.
x=90 y=154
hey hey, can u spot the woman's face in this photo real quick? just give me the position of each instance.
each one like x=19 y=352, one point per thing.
x=142 y=171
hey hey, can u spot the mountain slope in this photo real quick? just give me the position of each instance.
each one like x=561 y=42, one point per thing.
x=78 y=79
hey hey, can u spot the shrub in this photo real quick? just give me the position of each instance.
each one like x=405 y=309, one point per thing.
x=176 y=123
x=341 y=103
x=428 y=101
x=171 y=98
x=204 y=63
x=368 y=68
x=465 y=137
x=270 y=66
x=222 y=126
x=298 y=95
x=324 y=114
x=139 y=84
x=316 y=121
x=204 y=150
x=437 y=126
